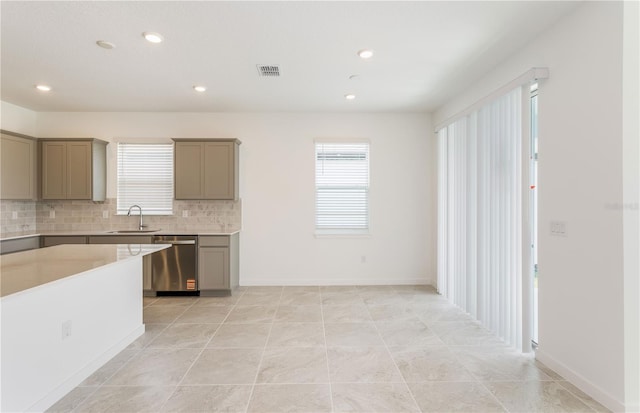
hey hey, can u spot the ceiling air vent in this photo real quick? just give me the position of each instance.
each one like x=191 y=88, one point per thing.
x=269 y=70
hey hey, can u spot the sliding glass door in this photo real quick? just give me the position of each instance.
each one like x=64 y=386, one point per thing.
x=533 y=208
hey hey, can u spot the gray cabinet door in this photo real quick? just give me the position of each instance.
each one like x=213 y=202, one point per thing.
x=50 y=241
x=188 y=170
x=78 y=170
x=17 y=167
x=20 y=244
x=213 y=268
x=120 y=239
x=54 y=170
x=218 y=170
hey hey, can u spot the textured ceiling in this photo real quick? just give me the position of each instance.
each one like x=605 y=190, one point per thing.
x=425 y=52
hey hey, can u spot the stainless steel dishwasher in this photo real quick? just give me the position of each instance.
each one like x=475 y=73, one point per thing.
x=175 y=268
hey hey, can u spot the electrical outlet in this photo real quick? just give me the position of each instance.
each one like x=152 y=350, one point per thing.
x=14 y=215
x=558 y=228
x=66 y=329
x=185 y=214
x=52 y=213
x=363 y=259
x=105 y=214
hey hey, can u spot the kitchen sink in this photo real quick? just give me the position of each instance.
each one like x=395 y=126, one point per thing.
x=133 y=231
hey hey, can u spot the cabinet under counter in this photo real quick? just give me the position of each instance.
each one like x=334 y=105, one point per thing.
x=9 y=246
x=218 y=264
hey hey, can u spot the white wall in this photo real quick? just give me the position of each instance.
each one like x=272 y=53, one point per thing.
x=581 y=318
x=278 y=245
x=17 y=119
x=631 y=167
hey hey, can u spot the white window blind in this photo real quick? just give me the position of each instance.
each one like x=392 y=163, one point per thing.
x=145 y=178
x=342 y=186
x=480 y=249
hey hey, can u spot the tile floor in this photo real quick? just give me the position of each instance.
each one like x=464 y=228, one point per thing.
x=320 y=349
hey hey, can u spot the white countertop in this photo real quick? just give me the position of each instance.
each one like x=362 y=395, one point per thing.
x=182 y=231
x=21 y=271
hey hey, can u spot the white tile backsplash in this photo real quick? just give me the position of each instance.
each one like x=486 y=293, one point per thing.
x=210 y=216
x=25 y=216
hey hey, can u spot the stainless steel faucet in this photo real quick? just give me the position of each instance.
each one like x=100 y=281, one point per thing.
x=140 y=227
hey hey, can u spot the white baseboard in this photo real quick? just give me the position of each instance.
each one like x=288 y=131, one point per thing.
x=593 y=390
x=72 y=382
x=326 y=281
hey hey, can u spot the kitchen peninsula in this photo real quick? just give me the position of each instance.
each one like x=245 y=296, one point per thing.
x=66 y=310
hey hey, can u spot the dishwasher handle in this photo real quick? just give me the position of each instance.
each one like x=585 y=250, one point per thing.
x=189 y=242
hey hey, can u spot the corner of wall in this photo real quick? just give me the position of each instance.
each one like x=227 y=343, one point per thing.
x=18 y=119
x=631 y=197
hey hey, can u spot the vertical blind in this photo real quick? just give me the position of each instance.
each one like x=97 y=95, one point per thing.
x=480 y=216
x=342 y=186
x=145 y=178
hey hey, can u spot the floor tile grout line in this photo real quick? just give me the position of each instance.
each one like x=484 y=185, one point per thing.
x=477 y=380
x=197 y=357
x=264 y=349
x=577 y=396
x=246 y=407
x=481 y=383
x=84 y=399
x=295 y=383
x=404 y=380
x=326 y=351
x=457 y=350
x=140 y=350
x=475 y=377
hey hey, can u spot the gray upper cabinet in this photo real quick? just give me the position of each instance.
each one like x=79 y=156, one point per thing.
x=206 y=168
x=18 y=167
x=74 y=169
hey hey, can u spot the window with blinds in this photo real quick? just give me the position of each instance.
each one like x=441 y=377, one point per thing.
x=145 y=178
x=342 y=186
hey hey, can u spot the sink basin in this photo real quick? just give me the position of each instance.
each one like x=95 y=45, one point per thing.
x=133 y=231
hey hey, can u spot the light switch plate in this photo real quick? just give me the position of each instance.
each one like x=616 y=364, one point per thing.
x=66 y=329
x=558 y=228
x=105 y=214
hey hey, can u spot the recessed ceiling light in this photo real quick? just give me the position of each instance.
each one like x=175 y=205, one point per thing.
x=105 y=45
x=350 y=96
x=199 y=88
x=365 y=53
x=43 y=88
x=153 y=37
